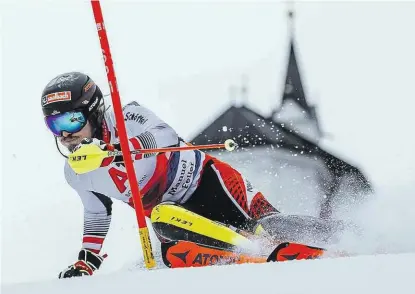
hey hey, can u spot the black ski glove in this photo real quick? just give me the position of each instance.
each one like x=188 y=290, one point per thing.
x=87 y=263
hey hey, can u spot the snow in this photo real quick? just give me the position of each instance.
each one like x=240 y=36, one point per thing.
x=365 y=106
x=366 y=274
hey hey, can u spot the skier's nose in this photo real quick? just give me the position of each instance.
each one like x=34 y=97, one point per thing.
x=65 y=134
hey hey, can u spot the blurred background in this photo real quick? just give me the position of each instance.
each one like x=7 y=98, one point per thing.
x=317 y=94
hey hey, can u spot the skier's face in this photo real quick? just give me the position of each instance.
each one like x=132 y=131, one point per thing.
x=70 y=141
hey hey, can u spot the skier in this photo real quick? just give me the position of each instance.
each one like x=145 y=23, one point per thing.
x=182 y=192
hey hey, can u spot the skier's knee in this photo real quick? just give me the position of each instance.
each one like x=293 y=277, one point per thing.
x=260 y=207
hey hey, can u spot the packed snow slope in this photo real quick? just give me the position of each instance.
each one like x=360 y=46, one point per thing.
x=365 y=274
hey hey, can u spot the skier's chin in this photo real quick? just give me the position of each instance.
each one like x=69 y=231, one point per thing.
x=71 y=144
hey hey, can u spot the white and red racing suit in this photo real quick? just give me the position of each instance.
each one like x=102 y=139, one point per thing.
x=165 y=177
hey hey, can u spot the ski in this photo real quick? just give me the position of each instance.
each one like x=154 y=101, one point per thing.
x=189 y=254
x=178 y=254
x=294 y=251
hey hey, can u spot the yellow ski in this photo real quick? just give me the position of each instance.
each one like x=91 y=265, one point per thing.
x=185 y=219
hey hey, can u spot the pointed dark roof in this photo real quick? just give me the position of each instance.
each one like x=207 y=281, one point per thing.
x=293 y=93
x=245 y=127
x=293 y=85
x=238 y=123
x=249 y=129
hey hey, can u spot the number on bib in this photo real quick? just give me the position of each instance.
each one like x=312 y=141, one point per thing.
x=119 y=178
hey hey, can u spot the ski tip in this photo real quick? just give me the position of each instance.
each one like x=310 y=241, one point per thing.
x=294 y=251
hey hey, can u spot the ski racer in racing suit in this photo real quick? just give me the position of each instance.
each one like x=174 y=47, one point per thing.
x=185 y=183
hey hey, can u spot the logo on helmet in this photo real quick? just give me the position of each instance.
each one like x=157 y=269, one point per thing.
x=88 y=86
x=56 y=97
x=93 y=105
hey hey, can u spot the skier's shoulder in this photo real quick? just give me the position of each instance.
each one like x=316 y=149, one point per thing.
x=139 y=113
x=132 y=111
x=133 y=105
x=137 y=117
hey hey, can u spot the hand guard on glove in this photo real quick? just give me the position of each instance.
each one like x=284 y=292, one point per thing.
x=104 y=147
x=87 y=263
x=91 y=154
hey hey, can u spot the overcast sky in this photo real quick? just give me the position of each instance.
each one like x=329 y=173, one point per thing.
x=179 y=59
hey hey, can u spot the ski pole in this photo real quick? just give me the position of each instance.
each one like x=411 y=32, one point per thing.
x=229 y=145
x=90 y=157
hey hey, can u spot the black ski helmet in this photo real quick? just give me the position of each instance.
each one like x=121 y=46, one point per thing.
x=73 y=91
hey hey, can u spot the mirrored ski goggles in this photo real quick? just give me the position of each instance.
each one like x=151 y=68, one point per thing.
x=70 y=122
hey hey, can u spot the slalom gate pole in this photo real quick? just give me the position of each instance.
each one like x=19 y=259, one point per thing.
x=112 y=81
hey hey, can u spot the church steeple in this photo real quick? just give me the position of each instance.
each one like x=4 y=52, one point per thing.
x=294 y=109
x=293 y=88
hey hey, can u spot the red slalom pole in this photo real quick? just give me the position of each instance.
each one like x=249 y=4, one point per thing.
x=116 y=101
